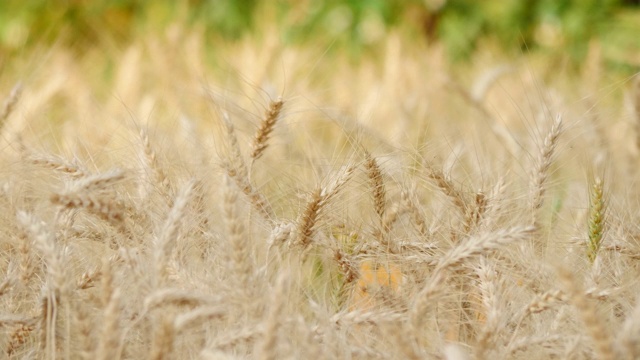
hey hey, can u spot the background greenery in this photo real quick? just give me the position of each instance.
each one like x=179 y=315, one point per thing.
x=554 y=26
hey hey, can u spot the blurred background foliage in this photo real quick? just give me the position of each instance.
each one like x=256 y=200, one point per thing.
x=564 y=27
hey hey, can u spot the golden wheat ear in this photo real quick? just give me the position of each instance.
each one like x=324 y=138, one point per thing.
x=378 y=191
x=259 y=144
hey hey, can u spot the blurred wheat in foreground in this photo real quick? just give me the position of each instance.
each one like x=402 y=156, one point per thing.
x=178 y=218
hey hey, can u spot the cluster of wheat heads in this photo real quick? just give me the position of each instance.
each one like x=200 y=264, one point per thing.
x=289 y=239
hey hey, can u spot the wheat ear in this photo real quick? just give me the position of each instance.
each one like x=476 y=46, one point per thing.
x=44 y=240
x=469 y=248
x=237 y=163
x=307 y=221
x=374 y=174
x=153 y=164
x=91 y=193
x=488 y=287
x=319 y=198
x=597 y=211
x=239 y=257
x=55 y=288
x=475 y=212
x=446 y=186
x=259 y=143
x=166 y=237
x=19 y=337
x=58 y=164
x=541 y=173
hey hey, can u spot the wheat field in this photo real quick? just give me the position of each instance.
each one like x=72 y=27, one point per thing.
x=278 y=202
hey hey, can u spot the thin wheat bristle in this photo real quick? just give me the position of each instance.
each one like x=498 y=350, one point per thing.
x=261 y=138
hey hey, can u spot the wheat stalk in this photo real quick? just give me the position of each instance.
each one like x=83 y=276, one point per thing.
x=163 y=338
x=268 y=346
x=10 y=103
x=594 y=326
x=109 y=341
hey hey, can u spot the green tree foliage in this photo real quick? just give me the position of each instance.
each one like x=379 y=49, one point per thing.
x=566 y=25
